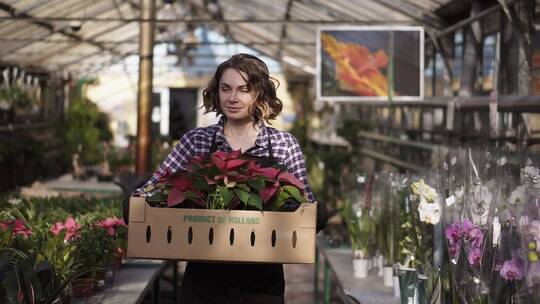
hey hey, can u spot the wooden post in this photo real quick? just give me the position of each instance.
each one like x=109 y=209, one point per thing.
x=144 y=103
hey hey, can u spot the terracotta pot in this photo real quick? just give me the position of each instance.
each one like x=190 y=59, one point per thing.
x=66 y=295
x=99 y=281
x=118 y=258
x=83 y=288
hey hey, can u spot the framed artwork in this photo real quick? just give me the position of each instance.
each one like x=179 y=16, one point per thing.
x=370 y=63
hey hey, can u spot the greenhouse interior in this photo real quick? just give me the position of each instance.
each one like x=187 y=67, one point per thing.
x=287 y=151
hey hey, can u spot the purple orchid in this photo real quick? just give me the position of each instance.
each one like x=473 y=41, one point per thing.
x=512 y=269
x=474 y=256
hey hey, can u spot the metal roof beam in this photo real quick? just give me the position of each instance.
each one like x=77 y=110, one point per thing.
x=411 y=10
x=112 y=42
x=13 y=12
x=284 y=28
x=209 y=20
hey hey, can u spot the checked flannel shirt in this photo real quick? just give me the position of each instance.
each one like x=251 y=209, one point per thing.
x=285 y=149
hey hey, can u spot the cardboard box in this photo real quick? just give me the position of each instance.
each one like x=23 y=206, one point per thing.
x=221 y=235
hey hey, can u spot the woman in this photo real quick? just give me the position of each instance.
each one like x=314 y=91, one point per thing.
x=245 y=95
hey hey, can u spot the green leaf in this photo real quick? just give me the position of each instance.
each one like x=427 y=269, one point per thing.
x=295 y=193
x=255 y=201
x=226 y=195
x=242 y=195
x=157 y=197
x=257 y=184
x=282 y=197
x=243 y=187
x=201 y=184
x=192 y=195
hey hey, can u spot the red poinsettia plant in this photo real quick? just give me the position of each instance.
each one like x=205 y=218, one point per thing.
x=230 y=180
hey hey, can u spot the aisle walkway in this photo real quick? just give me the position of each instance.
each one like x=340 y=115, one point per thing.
x=298 y=282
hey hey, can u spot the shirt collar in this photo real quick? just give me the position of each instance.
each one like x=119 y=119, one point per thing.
x=261 y=140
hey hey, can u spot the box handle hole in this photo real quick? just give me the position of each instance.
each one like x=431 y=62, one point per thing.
x=148 y=233
x=252 y=238
x=294 y=239
x=274 y=237
x=190 y=235
x=169 y=234
x=211 y=236
x=231 y=236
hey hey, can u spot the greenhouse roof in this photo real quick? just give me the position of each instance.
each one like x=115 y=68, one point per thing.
x=49 y=34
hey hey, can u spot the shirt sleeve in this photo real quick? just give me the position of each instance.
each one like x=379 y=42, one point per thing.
x=177 y=160
x=296 y=165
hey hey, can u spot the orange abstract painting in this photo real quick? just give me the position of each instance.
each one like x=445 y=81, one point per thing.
x=356 y=68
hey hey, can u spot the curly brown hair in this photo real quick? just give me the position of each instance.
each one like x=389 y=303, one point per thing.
x=267 y=105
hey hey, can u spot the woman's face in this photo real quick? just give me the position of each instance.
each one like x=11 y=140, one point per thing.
x=235 y=96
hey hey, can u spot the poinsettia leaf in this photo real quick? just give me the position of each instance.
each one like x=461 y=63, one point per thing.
x=218 y=160
x=234 y=154
x=268 y=192
x=282 y=198
x=268 y=172
x=175 y=197
x=209 y=181
x=290 y=179
x=157 y=197
x=226 y=195
x=200 y=184
x=257 y=184
x=192 y=195
x=212 y=172
x=243 y=187
x=235 y=163
x=242 y=195
x=295 y=193
x=195 y=166
x=255 y=201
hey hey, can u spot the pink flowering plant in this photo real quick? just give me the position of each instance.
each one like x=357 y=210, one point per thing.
x=15 y=233
x=68 y=229
x=116 y=229
x=230 y=180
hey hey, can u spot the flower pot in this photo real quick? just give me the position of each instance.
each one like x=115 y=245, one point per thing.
x=397 y=292
x=380 y=265
x=109 y=275
x=83 y=288
x=117 y=263
x=388 y=276
x=99 y=283
x=66 y=295
x=408 y=284
x=360 y=267
x=117 y=259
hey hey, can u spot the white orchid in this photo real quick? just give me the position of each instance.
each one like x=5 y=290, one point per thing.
x=424 y=191
x=429 y=212
x=517 y=196
x=429 y=208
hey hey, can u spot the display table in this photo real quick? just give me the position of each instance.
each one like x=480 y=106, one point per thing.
x=66 y=183
x=131 y=284
x=351 y=289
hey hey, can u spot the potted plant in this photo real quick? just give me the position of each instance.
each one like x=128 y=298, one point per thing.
x=95 y=250
x=360 y=227
x=229 y=180
x=392 y=230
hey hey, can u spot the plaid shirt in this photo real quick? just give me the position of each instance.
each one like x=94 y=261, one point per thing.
x=285 y=149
